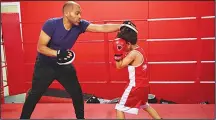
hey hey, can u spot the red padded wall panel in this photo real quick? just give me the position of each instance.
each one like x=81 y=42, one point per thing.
x=91 y=72
x=208 y=50
x=179 y=93
x=29 y=67
x=119 y=10
x=207 y=92
x=117 y=75
x=104 y=90
x=172 y=72
x=207 y=27
x=89 y=52
x=145 y=46
x=31 y=32
x=205 y=8
x=114 y=10
x=142 y=27
x=163 y=9
x=207 y=72
x=30 y=52
x=38 y=11
x=86 y=37
x=172 y=50
x=173 y=29
x=13 y=52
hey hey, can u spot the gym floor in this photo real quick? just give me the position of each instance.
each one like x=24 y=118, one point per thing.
x=107 y=111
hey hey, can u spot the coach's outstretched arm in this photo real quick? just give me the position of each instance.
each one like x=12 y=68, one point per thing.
x=103 y=27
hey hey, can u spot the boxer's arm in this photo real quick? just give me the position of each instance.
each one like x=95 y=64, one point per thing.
x=126 y=61
x=103 y=27
x=42 y=45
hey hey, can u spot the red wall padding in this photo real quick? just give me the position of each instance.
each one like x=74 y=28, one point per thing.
x=173 y=29
x=172 y=50
x=207 y=28
x=168 y=9
x=98 y=76
x=172 y=72
x=13 y=52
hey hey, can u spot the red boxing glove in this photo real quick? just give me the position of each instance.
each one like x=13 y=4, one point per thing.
x=119 y=47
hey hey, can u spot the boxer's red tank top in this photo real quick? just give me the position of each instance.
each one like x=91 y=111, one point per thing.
x=138 y=75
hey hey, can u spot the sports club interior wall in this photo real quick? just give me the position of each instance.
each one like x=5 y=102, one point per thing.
x=99 y=77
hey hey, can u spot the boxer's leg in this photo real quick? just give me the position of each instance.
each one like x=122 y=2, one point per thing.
x=120 y=114
x=42 y=77
x=143 y=96
x=68 y=79
x=152 y=112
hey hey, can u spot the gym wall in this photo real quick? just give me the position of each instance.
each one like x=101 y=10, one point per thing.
x=178 y=38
